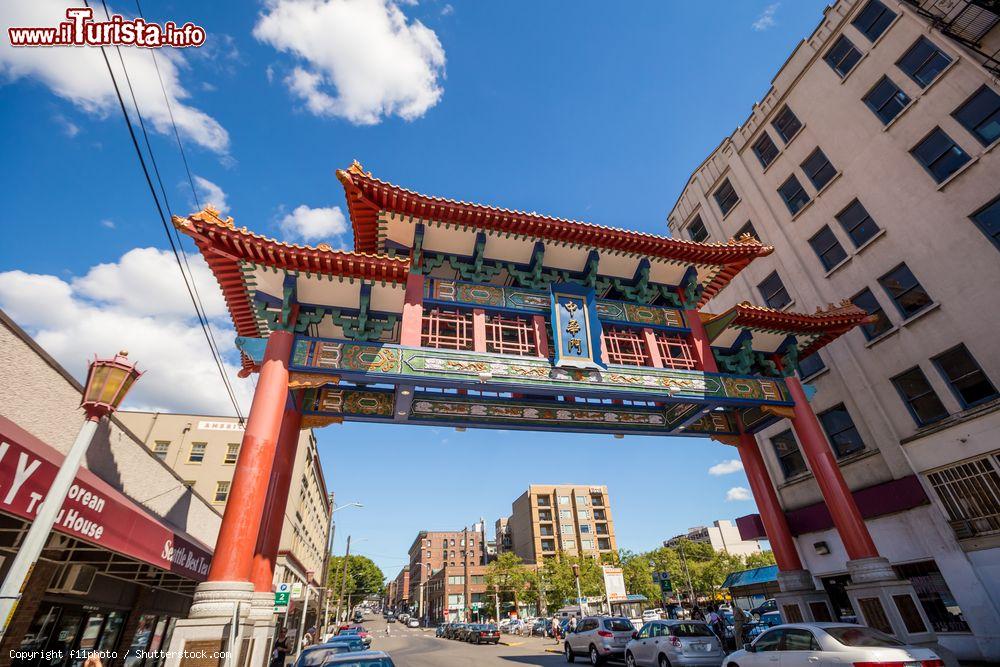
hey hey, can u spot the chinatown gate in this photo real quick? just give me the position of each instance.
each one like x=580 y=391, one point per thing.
x=456 y=314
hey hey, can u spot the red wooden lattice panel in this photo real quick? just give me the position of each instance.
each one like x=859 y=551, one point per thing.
x=447 y=329
x=675 y=351
x=510 y=335
x=625 y=346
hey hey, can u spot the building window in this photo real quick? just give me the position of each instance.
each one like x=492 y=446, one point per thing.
x=583 y=515
x=773 y=291
x=904 y=290
x=726 y=197
x=886 y=100
x=221 y=491
x=566 y=529
x=966 y=378
x=934 y=595
x=827 y=248
x=789 y=456
x=587 y=545
x=923 y=62
x=564 y=500
x=581 y=500
x=793 y=194
x=980 y=115
x=919 y=397
x=866 y=300
x=811 y=365
x=447 y=329
x=765 y=150
x=565 y=514
x=459 y=580
x=988 y=221
x=939 y=155
x=786 y=124
x=696 y=230
x=843 y=56
x=625 y=346
x=197 y=453
x=161 y=448
x=584 y=528
x=569 y=543
x=232 y=452
x=603 y=543
x=548 y=545
x=873 y=20
x=970 y=494
x=510 y=335
x=675 y=351
x=858 y=224
x=818 y=168
x=747 y=229
x=841 y=431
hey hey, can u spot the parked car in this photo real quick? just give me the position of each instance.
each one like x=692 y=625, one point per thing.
x=540 y=627
x=767 y=607
x=357 y=630
x=439 y=630
x=674 y=643
x=391 y=618
x=456 y=630
x=315 y=656
x=513 y=626
x=677 y=611
x=766 y=621
x=413 y=623
x=482 y=633
x=363 y=659
x=353 y=641
x=822 y=644
x=404 y=617
x=652 y=615
x=527 y=627
x=599 y=638
x=504 y=625
x=358 y=616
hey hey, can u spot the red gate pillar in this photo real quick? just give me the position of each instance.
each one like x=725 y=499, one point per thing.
x=413 y=310
x=846 y=517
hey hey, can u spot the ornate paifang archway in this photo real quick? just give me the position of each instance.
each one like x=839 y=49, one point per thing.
x=456 y=314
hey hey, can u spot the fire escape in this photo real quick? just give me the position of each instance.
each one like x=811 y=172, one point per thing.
x=966 y=22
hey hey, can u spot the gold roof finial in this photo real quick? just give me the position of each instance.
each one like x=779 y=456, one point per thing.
x=356 y=168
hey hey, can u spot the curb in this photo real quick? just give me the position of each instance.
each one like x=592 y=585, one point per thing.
x=512 y=643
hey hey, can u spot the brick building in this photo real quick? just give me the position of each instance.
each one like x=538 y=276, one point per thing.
x=447 y=591
x=548 y=519
x=433 y=550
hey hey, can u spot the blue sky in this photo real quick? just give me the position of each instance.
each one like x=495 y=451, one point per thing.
x=589 y=110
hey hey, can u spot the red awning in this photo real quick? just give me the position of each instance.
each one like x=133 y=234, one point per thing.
x=94 y=511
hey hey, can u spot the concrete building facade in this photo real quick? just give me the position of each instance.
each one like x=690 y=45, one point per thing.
x=203 y=451
x=722 y=535
x=870 y=166
x=547 y=520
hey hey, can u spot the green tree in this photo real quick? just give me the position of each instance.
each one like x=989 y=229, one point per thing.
x=638 y=574
x=763 y=559
x=363 y=576
x=507 y=577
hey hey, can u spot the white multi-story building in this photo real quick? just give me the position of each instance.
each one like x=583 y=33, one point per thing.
x=722 y=536
x=871 y=167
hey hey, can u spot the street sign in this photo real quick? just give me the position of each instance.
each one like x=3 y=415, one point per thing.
x=297 y=590
x=281 y=599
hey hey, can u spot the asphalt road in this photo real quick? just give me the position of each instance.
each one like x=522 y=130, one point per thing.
x=410 y=647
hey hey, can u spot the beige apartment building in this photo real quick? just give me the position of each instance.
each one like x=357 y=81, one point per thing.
x=202 y=450
x=547 y=520
x=871 y=166
x=723 y=536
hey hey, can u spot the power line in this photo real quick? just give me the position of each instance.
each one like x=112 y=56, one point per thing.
x=156 y=200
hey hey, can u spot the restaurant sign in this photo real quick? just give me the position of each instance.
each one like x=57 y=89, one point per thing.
x=93 y=511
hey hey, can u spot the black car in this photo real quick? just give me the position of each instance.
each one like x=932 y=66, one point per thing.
x=482 y=633
x=458 y=631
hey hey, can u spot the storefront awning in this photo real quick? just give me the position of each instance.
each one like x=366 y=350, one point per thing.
x=756 y=576
x=94 y=511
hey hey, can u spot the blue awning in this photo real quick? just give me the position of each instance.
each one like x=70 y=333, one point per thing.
x=758 y=575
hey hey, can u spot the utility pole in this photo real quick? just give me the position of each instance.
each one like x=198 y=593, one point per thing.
x=332 y=530
x=579 y=595
x=343 y=581
x=465 y=578
x=305 y=611
x=687 y=573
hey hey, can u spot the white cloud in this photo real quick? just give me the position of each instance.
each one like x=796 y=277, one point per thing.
x=210 y=193
x=70 y=128
x=78 y=74
x=766 y=18
x=364 y=60
x=738 y=493
x=313 y=224
x=110 y=224
x=136 y=304
x=447 y=10
x=726 y=467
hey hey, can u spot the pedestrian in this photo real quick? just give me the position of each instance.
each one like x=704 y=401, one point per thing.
x=739 y=623
x=555 y=629
x=696 y=614
x=280 y=651
x=572 y=624
x=93 y=660
x=715 y=624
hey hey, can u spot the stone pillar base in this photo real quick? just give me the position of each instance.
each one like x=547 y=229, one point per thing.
x=202 y=641
x=218 y=599
x=262 y=608
x=800 y=601
x=887 y=603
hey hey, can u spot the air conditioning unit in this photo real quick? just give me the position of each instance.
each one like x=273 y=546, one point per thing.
x=74 y=578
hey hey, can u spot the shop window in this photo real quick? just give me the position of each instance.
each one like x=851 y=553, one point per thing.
x=232 y=453
x=886 y=100
x=988 y=221
x=786 y=448
x=873 y=20
x=793 y=194
x=923 y=62
x=510 y=335
x=965 y=376
x=857 y=223
x=980 y=115
x=866 y=301
x=675 y=351
x=197 y=452
x=934 y=595
x=447 y=329
x=773 y=291
x=625 y=346
x=765 y=150
x=786 y=124
x=842 y=56
x=905 y=291
x=919 y=397
x=841 y=431
x=161 y=448
x=221 y=491
x=140 y=640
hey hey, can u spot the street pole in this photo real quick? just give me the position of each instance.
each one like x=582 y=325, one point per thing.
x=467 y=613
x=343 y=581
x=579 y=595
x=326 y=570
x=687 y=573
x=305 y=610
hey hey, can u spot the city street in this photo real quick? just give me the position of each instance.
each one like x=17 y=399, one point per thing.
x=410 y=647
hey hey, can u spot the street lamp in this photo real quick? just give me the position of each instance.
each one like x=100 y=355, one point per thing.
x=108 y=381
x=326 y=563
x=579 y=596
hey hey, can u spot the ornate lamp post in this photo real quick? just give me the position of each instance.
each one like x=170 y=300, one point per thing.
x=108 y=381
